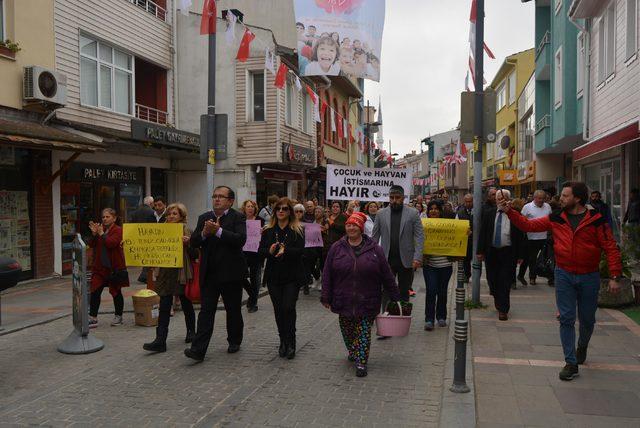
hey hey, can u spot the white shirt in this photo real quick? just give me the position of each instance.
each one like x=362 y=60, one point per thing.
x=505 y=230
x=368 y=227
x=532 y=211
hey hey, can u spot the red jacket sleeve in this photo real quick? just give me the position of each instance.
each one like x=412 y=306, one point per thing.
x=114 y=238
x=541 y=224
x=610 y=247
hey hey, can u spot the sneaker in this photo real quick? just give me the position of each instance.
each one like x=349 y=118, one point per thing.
x=93 y=322
x=117 y=320
x=428 y=326
x=442 y=323
x=581 y=354
x=569 y=372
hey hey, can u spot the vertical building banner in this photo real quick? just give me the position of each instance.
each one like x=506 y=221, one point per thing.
x=340 y=37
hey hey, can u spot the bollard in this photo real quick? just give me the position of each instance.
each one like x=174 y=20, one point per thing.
x=460 y=292
x=460 y=359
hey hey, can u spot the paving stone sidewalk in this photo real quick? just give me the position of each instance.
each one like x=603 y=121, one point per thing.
x=516 y=365
x=124 y=386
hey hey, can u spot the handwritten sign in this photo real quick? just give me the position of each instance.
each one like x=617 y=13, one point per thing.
x=254 y=233
x=312 y=235
x=445 y=237
x=153 y=244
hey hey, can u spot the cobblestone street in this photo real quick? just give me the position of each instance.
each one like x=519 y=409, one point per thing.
x=123 y=386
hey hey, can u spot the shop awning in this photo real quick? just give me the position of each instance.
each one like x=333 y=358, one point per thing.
x=617 y=138
x=34 y=135
x=581 y=9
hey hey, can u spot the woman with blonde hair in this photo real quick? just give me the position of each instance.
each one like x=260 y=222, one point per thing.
x=170 y=282
x=254 y=259
x=283 y=244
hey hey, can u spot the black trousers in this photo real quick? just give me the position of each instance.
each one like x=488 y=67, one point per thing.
x=467 y=259
x=284 y=297
x=313 y=260
x=533 y=248
x=164 y=315
x=210 y=293
x=404 y=277
x=501 y=271
x=252 y=287
x=96 y=296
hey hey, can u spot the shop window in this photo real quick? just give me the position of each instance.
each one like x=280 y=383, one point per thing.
x=158 y=182
x=256 y=97
x=106 y=76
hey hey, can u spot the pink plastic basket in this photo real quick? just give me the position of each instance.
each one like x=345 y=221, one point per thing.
x=393 y=325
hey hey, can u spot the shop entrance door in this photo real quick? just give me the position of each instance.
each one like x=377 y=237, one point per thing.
x=605 y=177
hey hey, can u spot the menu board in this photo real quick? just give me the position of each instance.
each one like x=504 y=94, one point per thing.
x=15 y=227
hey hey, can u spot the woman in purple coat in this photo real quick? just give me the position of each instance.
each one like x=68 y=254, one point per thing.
x=354 y=274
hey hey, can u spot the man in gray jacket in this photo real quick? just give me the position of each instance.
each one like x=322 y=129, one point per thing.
x=399 y=230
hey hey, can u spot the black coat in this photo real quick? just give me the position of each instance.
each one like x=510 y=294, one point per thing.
x=287 y=268
x=487 y=225
x=144 y=214
x=222 y=258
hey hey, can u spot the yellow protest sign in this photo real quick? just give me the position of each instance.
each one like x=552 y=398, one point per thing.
x=445 y=237
x=153 y=244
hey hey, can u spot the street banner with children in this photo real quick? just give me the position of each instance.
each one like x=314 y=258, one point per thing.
x=445 y=237
x=153 y=244
x=347 y=183
x=342 y=37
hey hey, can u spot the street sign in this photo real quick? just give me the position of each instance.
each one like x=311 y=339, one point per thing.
x=467 y=116
x=219 y=143
x=80 y=341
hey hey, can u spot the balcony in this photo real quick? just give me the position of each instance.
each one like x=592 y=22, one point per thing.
x=543 y=133
x=151 y=114
x=543 y=58
x=157 y=8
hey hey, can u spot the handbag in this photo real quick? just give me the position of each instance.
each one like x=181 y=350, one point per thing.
x=192 y=287
x=545 y=264
x=116 y=275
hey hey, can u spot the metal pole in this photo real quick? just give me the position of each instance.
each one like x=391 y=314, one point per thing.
x=460 y=359
x=460 y=292
x=477 y=155
x=211 y=114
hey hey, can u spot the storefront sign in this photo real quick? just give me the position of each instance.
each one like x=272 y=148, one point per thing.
x=146 y=131
x=445 y=237
x=366 y=184
x=298 y=155
x=104 y=173
x=508 y=177
x=153 y=245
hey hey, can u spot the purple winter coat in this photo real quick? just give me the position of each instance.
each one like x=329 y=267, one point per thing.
x=353 y=286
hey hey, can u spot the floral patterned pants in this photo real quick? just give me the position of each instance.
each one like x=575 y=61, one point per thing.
x=356 y=333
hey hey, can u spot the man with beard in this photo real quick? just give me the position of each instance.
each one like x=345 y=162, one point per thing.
x=580 y=235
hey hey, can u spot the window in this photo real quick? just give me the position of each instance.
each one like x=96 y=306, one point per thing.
x=256 y=96
x=632 y=27
x=607 y=43
x=580 y=64
x=290 y=103
x=557 y=77
x=512 y=88
x=499 y=151
x=558 y=6
x=501 y=97
x=306 y=113
x=2 y=31
x=106 y=76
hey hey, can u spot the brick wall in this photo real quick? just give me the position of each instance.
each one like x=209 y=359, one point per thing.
x=42 y=236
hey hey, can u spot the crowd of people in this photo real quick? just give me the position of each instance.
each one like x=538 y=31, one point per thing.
x=363 y=256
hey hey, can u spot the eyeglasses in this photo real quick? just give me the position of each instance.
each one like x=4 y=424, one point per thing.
x=299 y=211
x=220 y=197
x=284 y=209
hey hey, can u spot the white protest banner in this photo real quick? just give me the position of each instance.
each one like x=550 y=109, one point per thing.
x=348 y=183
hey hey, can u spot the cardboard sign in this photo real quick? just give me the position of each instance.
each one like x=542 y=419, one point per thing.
x=445 y=237
x=153 y=244
x=312 y=235
x=254 y=232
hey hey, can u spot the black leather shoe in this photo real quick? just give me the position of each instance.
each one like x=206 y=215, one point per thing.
x=361 y=371
x=291 y=352
x=232 y=349
x=189 y=337
x=252 y=309
x=190 y=353
x=158 y=345
x=282 y=350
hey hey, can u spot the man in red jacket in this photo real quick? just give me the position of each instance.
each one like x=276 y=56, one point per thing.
x=579 y=237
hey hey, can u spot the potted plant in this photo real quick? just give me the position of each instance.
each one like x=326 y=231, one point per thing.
x=631 y=246
x=9 y=48
x=625 y=295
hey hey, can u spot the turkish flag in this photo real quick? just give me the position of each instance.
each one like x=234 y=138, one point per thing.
x=323 y=108
x=208 y=20
x=281 y=76
x=312 y=94
x=245 y=44
x=340 y=127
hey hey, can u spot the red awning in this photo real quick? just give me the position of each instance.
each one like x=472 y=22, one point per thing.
x=622 y=136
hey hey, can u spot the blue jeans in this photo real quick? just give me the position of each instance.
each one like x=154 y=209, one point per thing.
x=437 y=282
x=572 y=289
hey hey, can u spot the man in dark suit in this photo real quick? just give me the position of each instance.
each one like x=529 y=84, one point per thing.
x=465 y=212
x=500 y=245
x=144 y=214
x=220 y=234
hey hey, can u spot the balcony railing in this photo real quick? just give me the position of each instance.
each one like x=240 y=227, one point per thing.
x=151 y=114
x=546 y=39
x=152 y=8
x=545 y=122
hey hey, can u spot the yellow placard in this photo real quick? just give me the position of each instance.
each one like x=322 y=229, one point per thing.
x=153 y=244
x=445 y=237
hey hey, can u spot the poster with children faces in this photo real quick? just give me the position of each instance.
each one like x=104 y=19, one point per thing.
x=340 y=37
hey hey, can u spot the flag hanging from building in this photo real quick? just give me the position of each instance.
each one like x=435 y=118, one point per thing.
x=340 y=37
x=281 y=76
x=209 y=16
x=269 y=61
x=298 y=84
x=185 y=5
x=472 y=44
x=333 y=120
x=245 y=45
x=230 y=33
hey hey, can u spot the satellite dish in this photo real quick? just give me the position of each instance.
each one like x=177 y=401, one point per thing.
x=505 y=142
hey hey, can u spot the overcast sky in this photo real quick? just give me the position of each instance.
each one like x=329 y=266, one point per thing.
x=424 y=61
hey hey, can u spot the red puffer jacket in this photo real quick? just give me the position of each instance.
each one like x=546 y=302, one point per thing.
x=576 y=252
